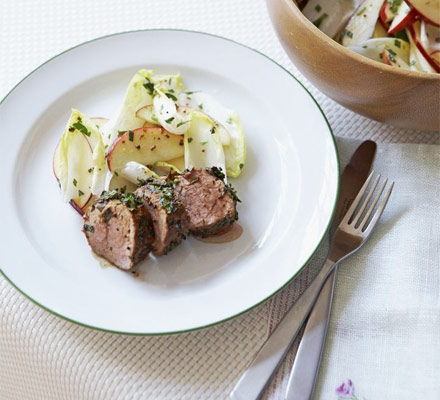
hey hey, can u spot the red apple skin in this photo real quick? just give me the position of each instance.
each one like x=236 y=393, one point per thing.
x=422 y=50
x=408 y=20
x=385 y=25
x=425 y=17
x=385 y=57
x=386 y=15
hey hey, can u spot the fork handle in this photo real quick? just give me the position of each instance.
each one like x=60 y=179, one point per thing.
x=256 y=377
x=301 y=384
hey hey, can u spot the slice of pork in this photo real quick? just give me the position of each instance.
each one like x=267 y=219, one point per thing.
x=170 y=220
x=209 y=203
x=118 y=232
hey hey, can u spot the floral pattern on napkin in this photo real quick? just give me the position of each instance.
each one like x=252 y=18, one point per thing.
x=346 y=391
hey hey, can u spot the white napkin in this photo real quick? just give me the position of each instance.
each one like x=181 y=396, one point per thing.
x=384 y=333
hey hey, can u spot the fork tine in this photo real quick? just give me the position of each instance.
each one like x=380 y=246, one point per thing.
x=368 y=226
x=350 y=213
x=373 y=204
x=365 y=203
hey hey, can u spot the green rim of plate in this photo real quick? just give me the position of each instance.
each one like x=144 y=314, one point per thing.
x=255 y=305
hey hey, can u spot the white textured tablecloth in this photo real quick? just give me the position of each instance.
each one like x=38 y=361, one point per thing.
x=390 y=352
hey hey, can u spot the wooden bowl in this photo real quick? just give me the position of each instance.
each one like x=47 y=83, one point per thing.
x=403 y=98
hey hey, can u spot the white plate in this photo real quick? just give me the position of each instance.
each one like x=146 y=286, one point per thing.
x=288 y=187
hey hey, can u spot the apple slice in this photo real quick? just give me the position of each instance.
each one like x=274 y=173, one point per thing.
x=144 y=146
x=430 y=37
x=387 y=12
x=330 y=16
x=429 y=10
x=417 y=61
x=405 y=16
x=389 y=57
x=361 y=25
x=415 y=33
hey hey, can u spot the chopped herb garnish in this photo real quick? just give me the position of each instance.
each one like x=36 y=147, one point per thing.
x=130 y=136
x=105 y=147
x=241 y=166
x=80 y=193
x=401 y=35
x=318 y=8
x=190 y=139
x=182 y=123
x=171 y=96
x=365 y=46
x=166 y=191
x=391 y=55
x=90 y=170
x=120 y=133
x=349 y=34
x=189 y=93
x=74 y=182
x=116 y=173
x=107 y=214
x=397 y=43
x=318 y=21
x=232 y=192
x=171 y=90
x=109 y=135
x=169 y=81
x=201 y=106
x=154 y=118
x=361 y=12
x=169 y=120
x=218 y=173
x=89 y=228
x=129 y=199
x=212 y=130
x=149 y=86
x=229 y=120
x=204 y=142
x=394 y=4
x=78 y=125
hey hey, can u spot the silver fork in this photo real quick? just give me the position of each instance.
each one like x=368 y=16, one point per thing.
x=351 y=234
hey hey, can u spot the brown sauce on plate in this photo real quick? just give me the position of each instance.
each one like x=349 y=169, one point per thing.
x=230 y=234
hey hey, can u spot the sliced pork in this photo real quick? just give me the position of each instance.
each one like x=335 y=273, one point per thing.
x=169 y=218
x=119 y=229
x=208 y=201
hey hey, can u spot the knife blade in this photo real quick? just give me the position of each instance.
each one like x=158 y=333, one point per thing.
x=302 y=379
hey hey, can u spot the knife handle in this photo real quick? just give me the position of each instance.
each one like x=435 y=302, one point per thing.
x=256 y=377
x=305 y=369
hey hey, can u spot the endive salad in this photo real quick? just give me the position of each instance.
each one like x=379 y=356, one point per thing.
x=161 y=126
x=400 y=33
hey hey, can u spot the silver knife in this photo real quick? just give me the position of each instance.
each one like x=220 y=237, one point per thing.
x=254 y=380
x=303 y=375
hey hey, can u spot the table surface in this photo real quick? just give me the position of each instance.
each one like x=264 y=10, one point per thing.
x=42 y=356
